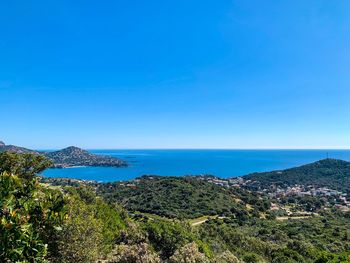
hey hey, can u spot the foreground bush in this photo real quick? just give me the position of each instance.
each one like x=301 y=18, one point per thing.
x=138 y=253
x=30 y=218
x=188 y=254
x=91 y=228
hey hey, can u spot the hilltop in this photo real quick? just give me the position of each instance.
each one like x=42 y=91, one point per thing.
x=331 y=173
x=68 y=157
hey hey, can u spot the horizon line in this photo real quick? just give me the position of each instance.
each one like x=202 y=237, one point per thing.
x=240 y=149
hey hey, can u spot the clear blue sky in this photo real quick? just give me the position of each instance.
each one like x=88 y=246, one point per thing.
x=175 y=74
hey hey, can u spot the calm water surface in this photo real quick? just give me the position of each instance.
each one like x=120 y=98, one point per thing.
x=222 y=163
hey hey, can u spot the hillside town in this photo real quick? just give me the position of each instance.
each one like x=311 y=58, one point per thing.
x=332 y=197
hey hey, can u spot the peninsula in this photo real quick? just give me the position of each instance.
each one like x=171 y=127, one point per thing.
x=69 y=157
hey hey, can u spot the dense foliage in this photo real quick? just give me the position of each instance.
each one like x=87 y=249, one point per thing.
x=24 y=165
x=91 y=227
x=179 y=197
x=30 y=214
x=305 y=240
x=73 y=223
x=40 y=223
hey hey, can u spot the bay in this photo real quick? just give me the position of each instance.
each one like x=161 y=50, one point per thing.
x=221 y=163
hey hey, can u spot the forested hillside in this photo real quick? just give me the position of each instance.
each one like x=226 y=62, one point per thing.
x=65 y=220
x=329 y=173
x=178 y=197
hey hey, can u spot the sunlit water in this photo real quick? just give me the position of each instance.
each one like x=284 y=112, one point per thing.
x=222 y=163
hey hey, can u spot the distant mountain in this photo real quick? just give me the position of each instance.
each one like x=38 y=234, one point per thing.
x=74 y=156
x=331 y=173
x=68 y=157
x=13 y=148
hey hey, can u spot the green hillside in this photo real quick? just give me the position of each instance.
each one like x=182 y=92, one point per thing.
x=331 y=173
x=180 y=197
x=67 y=220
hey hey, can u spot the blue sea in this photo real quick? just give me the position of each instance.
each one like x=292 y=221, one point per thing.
x=221 y=163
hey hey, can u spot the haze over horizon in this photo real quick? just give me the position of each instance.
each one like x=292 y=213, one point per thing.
x=123 y=75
